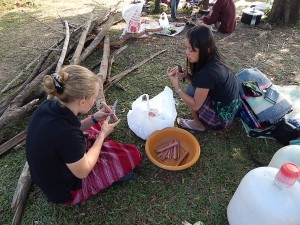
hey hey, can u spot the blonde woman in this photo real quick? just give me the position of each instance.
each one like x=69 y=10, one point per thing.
x=72 y=160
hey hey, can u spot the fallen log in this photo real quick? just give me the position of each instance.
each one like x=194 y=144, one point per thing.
x=7 y=87
x=4 y=104
x=64 y=49
x=21 y=193
x=96 y=22
x=12 y=142
x=76 y=55
x=103 y=72
x=15 y=111
x=97 y=39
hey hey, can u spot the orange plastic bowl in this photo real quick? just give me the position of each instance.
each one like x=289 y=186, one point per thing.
x=187 y=143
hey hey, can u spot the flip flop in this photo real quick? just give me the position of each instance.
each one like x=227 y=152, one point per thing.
x=184 y=124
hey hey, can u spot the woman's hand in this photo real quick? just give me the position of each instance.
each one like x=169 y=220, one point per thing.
x=101 y=114
x=107 y=127
x=181 y=75
x=104 y=112
x=107 y=109
x=173 y=76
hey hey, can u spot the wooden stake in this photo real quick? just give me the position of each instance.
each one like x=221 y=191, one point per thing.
x=21 y=193
x=12 y=142
x=76 y=56
x=97 y=39
x=64 y=49
x=103 y=72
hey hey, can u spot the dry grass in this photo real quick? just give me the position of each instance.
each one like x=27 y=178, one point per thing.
x=25 y=31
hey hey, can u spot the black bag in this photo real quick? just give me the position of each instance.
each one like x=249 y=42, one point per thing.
x=282 y=131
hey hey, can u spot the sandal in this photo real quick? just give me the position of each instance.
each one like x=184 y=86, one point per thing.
x=183 y=123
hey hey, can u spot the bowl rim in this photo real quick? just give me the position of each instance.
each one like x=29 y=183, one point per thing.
x=172 y=168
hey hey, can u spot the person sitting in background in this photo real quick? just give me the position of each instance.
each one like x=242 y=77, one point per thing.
x=213 y=95
x=223 y=16
x=72 y=160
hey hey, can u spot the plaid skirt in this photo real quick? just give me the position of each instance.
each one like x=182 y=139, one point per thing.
x=115 y=161
x=209 y=117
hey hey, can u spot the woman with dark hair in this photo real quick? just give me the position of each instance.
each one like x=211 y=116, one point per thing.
x=213 y=95
x=72 y=160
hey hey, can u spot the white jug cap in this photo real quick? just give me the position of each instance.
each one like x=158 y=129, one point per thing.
x=287 y=175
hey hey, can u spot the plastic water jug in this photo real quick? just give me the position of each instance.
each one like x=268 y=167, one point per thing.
x=267 y=196
x=289 y=153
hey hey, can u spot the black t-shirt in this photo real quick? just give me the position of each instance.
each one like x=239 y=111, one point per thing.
x=222 y=85
x=53 y=139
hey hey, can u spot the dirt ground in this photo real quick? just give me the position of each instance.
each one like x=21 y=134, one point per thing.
x=25 y=32
x=24 y=36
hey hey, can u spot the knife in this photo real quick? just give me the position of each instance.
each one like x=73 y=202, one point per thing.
x=113 y=109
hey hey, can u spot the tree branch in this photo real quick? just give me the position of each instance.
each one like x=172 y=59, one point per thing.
x=64 y=49
x=118 y=77
x=103 y=72
x=97 y=39
x=76 y=56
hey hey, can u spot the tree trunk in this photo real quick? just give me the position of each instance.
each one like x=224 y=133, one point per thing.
x=157 y=6
x=205 y=4
x=285 y=12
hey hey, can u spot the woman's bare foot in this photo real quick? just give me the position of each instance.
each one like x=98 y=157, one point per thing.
x=190 y=124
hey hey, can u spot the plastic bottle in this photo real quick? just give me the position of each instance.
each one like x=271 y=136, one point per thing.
x=267 y=196
x=289 y=153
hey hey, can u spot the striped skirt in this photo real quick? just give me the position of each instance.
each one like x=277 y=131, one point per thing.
x=115 y=161
x=209 y=117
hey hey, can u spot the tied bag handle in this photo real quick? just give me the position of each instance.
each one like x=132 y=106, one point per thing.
x=151 y=112
x=146 y=98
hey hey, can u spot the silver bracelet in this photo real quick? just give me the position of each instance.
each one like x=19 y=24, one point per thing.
x=179 y=90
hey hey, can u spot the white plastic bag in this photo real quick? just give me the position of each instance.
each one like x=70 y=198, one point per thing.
x=147 y=116
x=132 y=15
x=163 y=21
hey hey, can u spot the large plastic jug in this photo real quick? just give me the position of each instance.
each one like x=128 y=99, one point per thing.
x=289 y=153
x=267 y=196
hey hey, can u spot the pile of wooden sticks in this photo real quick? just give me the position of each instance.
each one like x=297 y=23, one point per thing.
x=171 y=150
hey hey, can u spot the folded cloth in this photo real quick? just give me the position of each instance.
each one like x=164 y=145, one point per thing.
x=246 y=115
x=252 y=74
x=264 y=110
